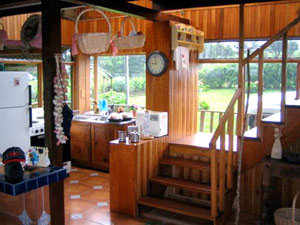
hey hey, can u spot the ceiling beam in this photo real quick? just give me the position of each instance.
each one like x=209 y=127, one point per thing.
x=162 y=5
x=12 y=8
x=123 y=7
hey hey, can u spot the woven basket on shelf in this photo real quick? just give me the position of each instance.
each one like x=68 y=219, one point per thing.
x=129 y=42
x=91 y=43
x=288 y=216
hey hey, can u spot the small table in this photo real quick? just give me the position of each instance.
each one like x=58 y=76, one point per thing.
x=274 y=168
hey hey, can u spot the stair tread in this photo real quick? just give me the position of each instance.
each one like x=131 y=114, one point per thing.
x=201 y=140
x=176 y=207
x=186 y=163
x=183 y=184
x=275 y=118
x=292 y=103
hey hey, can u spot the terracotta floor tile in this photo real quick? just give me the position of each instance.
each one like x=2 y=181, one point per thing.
x=9 y=220
x=76 y=189
x=94 y=181
x=87 y=204
x=83 y=170
x=77 y=176
x=96 y=195
x=101 y=215
x=78 y=206
x=81 y=222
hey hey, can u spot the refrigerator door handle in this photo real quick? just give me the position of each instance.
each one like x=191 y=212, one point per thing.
x=29 y=104
x=30 y=116
x=29 y=95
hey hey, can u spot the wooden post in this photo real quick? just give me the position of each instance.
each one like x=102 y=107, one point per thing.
x=260 y=92
x=127 y=78
x=241 y=78
x=283 y=75
x=51 y=34
x=298 y=81
x=213 y=166
x=95 y=80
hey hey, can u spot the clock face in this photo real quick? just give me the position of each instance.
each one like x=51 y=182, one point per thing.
x=157 y=63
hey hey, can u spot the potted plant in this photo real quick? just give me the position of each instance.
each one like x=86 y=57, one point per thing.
x=134 y=108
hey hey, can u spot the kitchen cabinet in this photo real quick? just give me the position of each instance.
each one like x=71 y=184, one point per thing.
x=80 y=142
x=90 y=142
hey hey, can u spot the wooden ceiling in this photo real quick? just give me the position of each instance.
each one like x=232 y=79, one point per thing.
x=14 y=7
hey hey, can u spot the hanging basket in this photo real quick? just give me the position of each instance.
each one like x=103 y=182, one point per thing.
x=129 y=42
x=92 y=43
x=288 y=216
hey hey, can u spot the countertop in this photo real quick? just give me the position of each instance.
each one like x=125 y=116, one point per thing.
x=96 y=119
x=32 y=179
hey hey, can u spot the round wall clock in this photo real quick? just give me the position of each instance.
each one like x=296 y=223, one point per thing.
x=157 y=63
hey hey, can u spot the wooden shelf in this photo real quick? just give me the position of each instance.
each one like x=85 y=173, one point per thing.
x=194 y=41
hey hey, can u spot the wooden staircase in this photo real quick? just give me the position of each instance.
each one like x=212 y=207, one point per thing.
x=162 y=187
x=210 y=196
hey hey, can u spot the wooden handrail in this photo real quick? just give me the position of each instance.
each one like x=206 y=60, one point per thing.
x=298 y=82
x=260 y=92
x=225 y=116
x=272 y=40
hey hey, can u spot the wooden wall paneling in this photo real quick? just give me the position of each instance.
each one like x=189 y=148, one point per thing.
x=82 y=83
x=157 y=88
x=261 y=21
x=132 y=181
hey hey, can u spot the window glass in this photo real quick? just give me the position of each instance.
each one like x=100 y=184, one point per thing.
x=229 y=50
x=69 y=69
x=33 y=78
x=112 y=85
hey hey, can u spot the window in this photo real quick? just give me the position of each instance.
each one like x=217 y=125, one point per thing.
x=218 y=75
x=229 y=50
x=33 y=78
x=120 y=79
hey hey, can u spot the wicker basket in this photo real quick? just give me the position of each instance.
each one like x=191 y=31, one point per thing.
x=129 y=42
x=91 y=43
x=288 y=216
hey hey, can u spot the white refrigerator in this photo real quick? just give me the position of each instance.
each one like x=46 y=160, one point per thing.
x=15 y=110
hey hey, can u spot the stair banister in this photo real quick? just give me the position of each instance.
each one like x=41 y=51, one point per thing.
x=260 y=92
x=283 y=75
x=220 y=132
x=225 y=116
x=272 y=40
x=298 y=82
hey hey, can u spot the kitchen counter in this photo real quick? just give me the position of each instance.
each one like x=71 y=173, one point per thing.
x=90 y=139
x=33 y=179
x=97 y=120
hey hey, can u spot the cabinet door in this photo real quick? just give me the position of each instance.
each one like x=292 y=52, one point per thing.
x=101 y=136
x=80 y=142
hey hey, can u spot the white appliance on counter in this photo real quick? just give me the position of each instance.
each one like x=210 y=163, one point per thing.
x=152 y=123
x=15 y=110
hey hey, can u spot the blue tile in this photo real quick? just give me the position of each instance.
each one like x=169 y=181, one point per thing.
x=62 y=174
x=9 y=189
x=42 y=181
x=53 y=178
x=32 y=184
x=33 y=180
x=1 y=187
x=20 y=188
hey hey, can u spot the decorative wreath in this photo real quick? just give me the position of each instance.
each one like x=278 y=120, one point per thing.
x=31 y=33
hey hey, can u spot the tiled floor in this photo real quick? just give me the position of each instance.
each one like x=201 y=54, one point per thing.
x=87 y=200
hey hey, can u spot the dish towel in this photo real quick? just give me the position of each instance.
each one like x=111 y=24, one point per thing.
x=181 y=57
